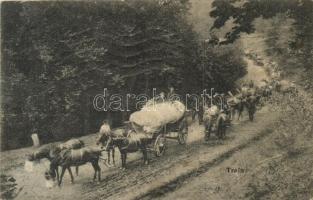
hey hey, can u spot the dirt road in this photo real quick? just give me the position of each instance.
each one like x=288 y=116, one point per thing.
x=158 y=179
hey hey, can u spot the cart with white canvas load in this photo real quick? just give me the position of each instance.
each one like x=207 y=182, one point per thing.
x=161 y=121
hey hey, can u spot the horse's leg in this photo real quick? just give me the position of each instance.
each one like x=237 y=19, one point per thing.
x=145 y=156
x=192 y=115
x=121 y=156
x=57 y=172
x=109 y=155
x=113 y=155
x=208 y=131
x=95 y=168
x=125 y=159
x=98 y=169
x=252 y=112
x=71 y=174
x=230 y=113
x=124 y=156
x=239 y=114
x=251 y=115
x=76 y=170
x=200 y=116
x=62 y=174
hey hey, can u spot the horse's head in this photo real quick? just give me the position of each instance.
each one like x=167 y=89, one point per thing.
x=102 y=139
x=36 y=156
x=31 y=157
x=50 y=174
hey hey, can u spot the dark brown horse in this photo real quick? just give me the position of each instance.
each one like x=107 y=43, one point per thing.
x=74 y=157
x=235 y=105
x=49 y=151
x=130 y=144
x=251 y=103
x=218 y=124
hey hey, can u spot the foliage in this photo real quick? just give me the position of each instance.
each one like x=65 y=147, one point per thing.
x=244 y=13
x=8 y=187
x=224 y=65
x=59 y=55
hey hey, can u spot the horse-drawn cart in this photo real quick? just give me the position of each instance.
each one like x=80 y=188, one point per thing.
x=160 y=122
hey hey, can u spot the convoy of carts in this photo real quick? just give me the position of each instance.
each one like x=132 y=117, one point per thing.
x=176 y=128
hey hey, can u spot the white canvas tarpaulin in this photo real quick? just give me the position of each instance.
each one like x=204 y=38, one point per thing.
x=152 y=117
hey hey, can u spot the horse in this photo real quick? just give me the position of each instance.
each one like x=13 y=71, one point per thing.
x=236 y=105
x=196 y=109
x=74 y=157
x=102 y=139
x=49 y=151
x=248 y=97
x=250 y=103
x=130 y=144
x=265 y=91
x=216 y=119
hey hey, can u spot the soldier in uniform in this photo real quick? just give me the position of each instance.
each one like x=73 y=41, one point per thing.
x=105 y=129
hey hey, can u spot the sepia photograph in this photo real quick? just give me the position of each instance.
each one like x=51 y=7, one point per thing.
x=156 y=99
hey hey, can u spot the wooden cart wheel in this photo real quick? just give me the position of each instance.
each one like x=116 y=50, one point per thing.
x=159 y=145
x=183 y=134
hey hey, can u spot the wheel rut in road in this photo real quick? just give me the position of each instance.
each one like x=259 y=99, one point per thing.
x=180 y=180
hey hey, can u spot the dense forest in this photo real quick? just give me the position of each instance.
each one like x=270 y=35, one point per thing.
x=56 y=56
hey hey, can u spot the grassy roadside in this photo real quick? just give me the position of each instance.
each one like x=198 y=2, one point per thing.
x=287 y=172
x=278 y=166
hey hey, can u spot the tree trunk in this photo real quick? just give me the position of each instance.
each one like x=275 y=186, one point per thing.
x=86 y=114
x=146 y=83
